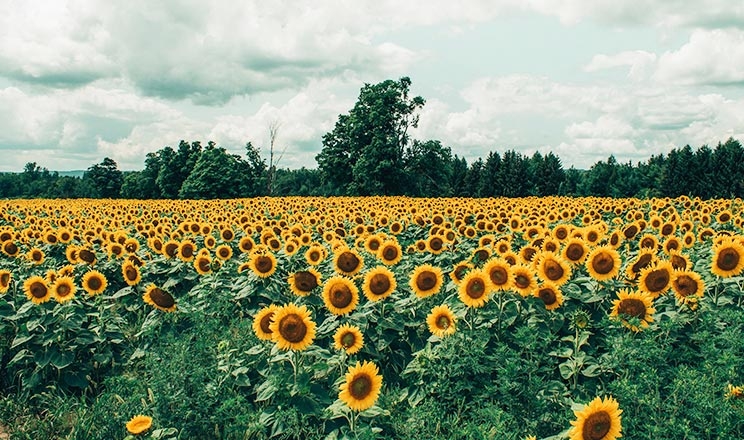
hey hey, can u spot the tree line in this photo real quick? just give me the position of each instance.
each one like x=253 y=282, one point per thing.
x=370 y=152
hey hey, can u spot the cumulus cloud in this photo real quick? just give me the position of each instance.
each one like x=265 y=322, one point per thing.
x=639 y=63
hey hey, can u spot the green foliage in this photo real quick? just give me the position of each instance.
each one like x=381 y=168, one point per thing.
x=105 y=178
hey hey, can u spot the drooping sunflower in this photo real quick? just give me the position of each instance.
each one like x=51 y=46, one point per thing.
x=634 y=309
x=441 y=321
x=340 y=295
x=262 y=322
x=550 y=294
x=575 y=251
x=348 y=262
x=302 y=282
x=523 y=280
x=687 y=285
x=5 y=278
x=362 y=386
x=263 y=264
x=139 y=424
x=63 y=289
x=553 y=268
x=499 y=274
x=728 y=258
x=159 y=298
x=426 y=280
x=292 y=328
x=94 y=282
x=131 y=273
x=644 y=259
x=390 y=253
x=474 y=288
x=458 y=272
x=599 y=420
x=348 y=338
x=37 y=290
x=656 y=279
x=379 y=283
x=603 y=263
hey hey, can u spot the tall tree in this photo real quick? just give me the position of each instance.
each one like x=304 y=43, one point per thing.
x=428 y=169
x=105 y=178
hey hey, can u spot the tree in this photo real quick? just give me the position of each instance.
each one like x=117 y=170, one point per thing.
x=175 y=167
x=428 y=169
x=364 y=153
x=216 y=175
x=105 y=178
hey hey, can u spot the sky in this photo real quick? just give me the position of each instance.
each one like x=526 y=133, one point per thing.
x=81 y=80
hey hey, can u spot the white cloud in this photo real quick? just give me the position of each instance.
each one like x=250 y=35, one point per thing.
x=710 y=57
x=639 y=62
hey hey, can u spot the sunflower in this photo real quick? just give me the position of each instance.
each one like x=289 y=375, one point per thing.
x=656 y=279
x=441 y=321
x=523 y=280
x=426 y=280
x=302 y=282
x=728 y=258
x=292 y=328
x=687 y=285
x=262 y=322
x=160 y=299
x=458 y=272
x=203 y=263
x=348 y=338
x=94 y=282
x=390 y=253
x=139 y=424
x=499 y=273
x=263 y=264
x=224 y=252
x=644 y=259
x=599 y=420
x=186 y=251
x=170 y=248
x=5 y=278
x=348 y=262
x=550 y=294
x=246 y=244
x=603 y=263
x=372 y=243
x=435 y=245
x=315 y=254
x=340 y=295
x=648 y=241
x=63 y=289
x=734 y=392
x=575 y=251
x=10 y=249
x=473 y=290
x=551 y=267
x=379 y=283
x=362 y=386
x=37 y=290
x=131 y=273
x=636 y=306
x=36 y=256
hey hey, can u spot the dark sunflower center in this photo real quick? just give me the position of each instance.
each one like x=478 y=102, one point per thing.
x=264 y=264
x=36 y=255
x=436 y=243
x=227 y=235
x=63 y=290
x=390 y=253
x=379 y=283
x=348 y=339
x=4 y=279
x=596 y=426
x=204 y=265
x=522 y=281
x=443 y=322
x=657 y=280
x=724 y=218
x=131 y=273
x=360 y=386
x=38 y=290
x=374 y=245
x=685 y=285
x=630 y=231
x=171 y=249
x=614 y=239
x=667 y=229
x=550 y=246
x=476 y=288
x=341 y=296
x=728 y=259
x=161 y=298
x=548 y=296
x=632 y=307
x=603 y=263
x=648 y=243
x=348 y=262
x=266 y=322
x=224 y=252
x=553 y=270
x=592 y=236
x=574 y=252
x=642 y=262
x=426 y=280
x=499 y=275
x=292 y=328
x=460 y=272
x=305 y=281
x=187 y=251
x=678 y=262
x=10 y=248
x=482 y=255
x=561 y=233
x=95 y=283
x=87 y=256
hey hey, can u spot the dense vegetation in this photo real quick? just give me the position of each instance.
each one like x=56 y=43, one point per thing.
x=369 y=152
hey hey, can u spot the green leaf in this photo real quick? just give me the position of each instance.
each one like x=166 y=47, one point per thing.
x=75 y=379
x=265 y=391
x=62 y=359
x=20 y=340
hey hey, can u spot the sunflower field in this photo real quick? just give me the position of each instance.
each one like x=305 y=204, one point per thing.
x=380 y=317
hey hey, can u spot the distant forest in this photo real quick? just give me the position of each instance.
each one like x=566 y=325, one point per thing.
x=369 y=152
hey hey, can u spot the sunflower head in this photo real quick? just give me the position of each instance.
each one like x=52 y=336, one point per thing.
x=348 y=262
x=523 y=280
x=575 y=251
x=426 y=280
x=139 y=424
x=499 y=274
x=603 y=263
x=441 y=321
x=340 y=295
x=292 y=328
x=728 y=258
x=390 y=252
x=687 y=286
x=5 y=278
x=634 y=309
x=379 y=283
x=263 y=264
x=656 y=279
x=553 y=268
x=262 y=322
x=362 y=386
x=550 y=294
x=474 y=288
x=348 y=338
x=37 y=290
x=599 y=420
x=131 y=273
x=302 y=282
x=159 y=298
x=63 y=289
x=94 y=282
